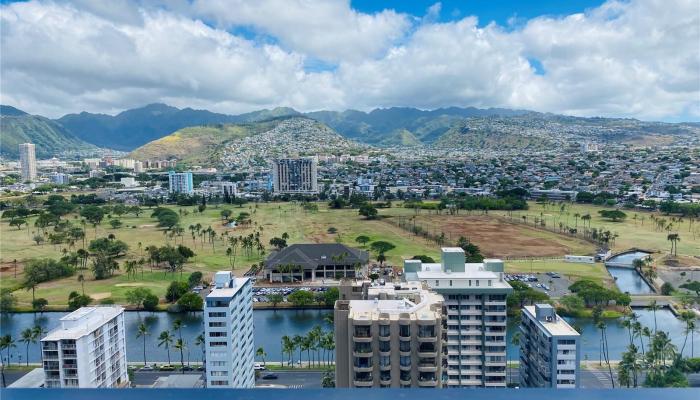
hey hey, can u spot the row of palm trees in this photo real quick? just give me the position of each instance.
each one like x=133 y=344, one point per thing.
x=318 y=345
x=28 y=336
x=170 y=339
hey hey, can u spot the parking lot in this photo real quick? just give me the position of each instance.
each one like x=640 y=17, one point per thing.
x=555 y=285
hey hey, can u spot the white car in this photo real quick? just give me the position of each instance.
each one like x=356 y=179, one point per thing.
x=259 y=367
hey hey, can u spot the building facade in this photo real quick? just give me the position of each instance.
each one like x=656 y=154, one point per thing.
x=228 y=329
x=312 y=261
x=88 y=350
x=391 y=339
x=60 y=178
x=550 y=349
x=180 y=182
x=27 y=161
x=474 y=316
x=294 y=176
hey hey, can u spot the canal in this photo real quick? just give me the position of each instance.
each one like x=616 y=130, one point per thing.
x=626 y=277
x=271 y=325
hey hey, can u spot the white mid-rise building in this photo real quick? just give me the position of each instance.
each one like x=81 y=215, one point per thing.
x=475 y=316
x=88 y=350
x=228 y=328
x=27 y=161
x=549 y=349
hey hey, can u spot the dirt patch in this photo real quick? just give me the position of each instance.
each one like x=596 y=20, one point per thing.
x=100 y=296
x=129 y=284
x=497 y=238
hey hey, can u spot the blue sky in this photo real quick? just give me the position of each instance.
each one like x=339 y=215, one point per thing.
x=499 y=11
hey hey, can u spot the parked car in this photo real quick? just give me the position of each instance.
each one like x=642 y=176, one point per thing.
x=187 y=368
x=146 y=368
x=270 y=376
x=259 y=367
x=167 y=368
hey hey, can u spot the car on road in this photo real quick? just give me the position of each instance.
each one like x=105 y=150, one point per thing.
x=167 y=368
x=259 y=367
x=187 y=368
x=270 y=376
x=146 y=368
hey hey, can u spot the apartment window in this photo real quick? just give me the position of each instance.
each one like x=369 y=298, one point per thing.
x=384 y=346
x=405 y=345
x=217 y=344
x=477 y=282
x=217 y=363
x=217 y=324
x=566 y=341
x=219 y=383
x=437 y=282
x=384 y=361
x=405 y=361
x=489 y=282
x=217 y=314
x=450 y=282
x=470 y=282
x=405 y=330
x=217 y=334
x=384 y=330
x=217 y=373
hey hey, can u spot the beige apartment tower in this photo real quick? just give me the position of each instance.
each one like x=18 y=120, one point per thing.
x=391 y=339
x=27 y=161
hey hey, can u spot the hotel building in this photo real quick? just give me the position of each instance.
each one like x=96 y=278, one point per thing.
x=294 y=176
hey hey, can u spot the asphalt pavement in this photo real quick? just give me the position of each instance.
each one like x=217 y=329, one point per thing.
x=293 y=379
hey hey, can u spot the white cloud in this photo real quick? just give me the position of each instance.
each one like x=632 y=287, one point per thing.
x=638 y=58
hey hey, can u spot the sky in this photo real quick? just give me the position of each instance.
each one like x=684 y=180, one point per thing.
x=631 y=58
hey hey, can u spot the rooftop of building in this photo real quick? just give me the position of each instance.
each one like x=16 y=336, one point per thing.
x=83 y=321
x=311 y=255
x=392 y=301
x=226 y=285
x=555 y=326
x=453 y=267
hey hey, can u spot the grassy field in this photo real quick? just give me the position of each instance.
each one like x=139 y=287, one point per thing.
x=638 y=230
x=495 y=235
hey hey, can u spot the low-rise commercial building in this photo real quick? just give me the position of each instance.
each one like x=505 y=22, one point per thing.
x=549 y=349
x=311 y=261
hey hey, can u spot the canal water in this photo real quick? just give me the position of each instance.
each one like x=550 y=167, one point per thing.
x=271 y=325
x=626 y=277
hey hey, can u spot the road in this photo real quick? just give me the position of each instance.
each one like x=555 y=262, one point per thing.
x=294 y=379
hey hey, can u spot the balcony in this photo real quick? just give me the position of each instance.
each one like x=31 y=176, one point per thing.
x=361 y=384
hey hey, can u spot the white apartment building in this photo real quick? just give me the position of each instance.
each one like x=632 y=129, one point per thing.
x=88 y=350
x=549 y=349
x=180 y=182
x=228 y=329
x=27 y=161
x=474 y=316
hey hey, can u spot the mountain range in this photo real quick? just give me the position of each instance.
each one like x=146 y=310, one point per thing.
x=452 y=127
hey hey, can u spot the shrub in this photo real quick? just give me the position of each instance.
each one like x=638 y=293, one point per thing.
x=176 y=290
x=190 y=302
x=667 y=289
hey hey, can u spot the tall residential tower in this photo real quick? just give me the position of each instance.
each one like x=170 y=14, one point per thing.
x=88 y=350
x=27 y=161
x=474 y=316
x=549 y=349
x=294 y=176
x=228 y=329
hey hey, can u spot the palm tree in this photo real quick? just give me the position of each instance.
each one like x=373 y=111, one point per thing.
x=166 y=339
x=653 y=307
x=180 y=345
x=199 y=341
x=604 y=340
x=81 y=279
x=298 y=341
x=306 y=345
x=260 y=352
x=38 y=332
x=674 y=238
x=143 y=332
x=28 y=338
x=177 y=326
x=7 y=343
x=689 y=319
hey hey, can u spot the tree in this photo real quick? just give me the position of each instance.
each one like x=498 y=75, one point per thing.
x=142 y=332
x=190 y=302
x=166 y=339
x=260 y=352
x=667 y=289
x=18 y=222
x=92 y=214
x=381 y=246
x=693 y=286
x=7 y=343
x=176 y=290
x=7 y=301
x=613 y=215
x=180 y=345
x=362 y=239
x=423 y=258
x=278 y=243
x=150 y=302
x=194 y=279
x=77 y=300
x=27 y=337
x=137 y=296
x=301 y=298
x=368 y=211
x=330 y=296
x=39 y=304
x=275 y=298
x=572 y=303
x=115 y=223
x=674 y=238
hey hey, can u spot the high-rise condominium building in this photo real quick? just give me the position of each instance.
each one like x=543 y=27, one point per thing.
x=88 y=350
x=393 y=338
x=228 y=327
x=294 y=176
x=549 y=349
x=474 y=316
x=180 y=182
x=27 y=161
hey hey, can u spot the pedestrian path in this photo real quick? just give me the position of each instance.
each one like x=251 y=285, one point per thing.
x=603 y=377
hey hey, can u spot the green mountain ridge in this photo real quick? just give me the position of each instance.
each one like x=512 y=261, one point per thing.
x=50 y=137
